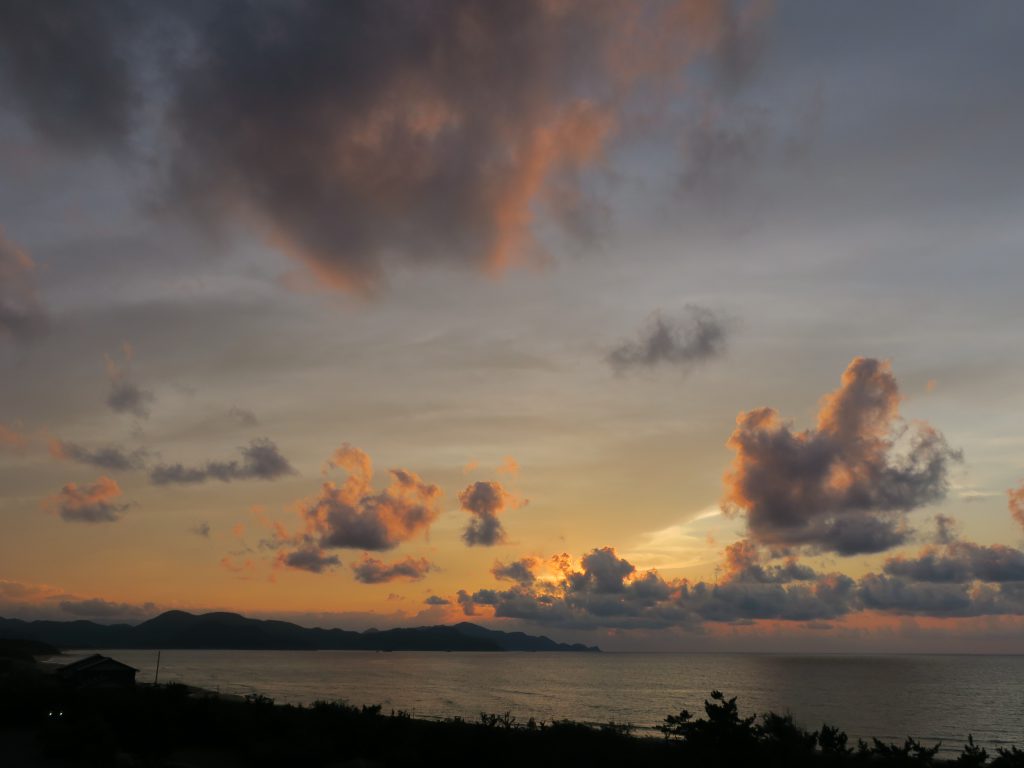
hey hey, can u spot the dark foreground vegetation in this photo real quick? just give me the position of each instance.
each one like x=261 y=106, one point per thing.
x=44 y=724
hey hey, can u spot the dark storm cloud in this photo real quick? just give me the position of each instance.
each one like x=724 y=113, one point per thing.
x=485 y=500
x=843 y=486
x=310 y=559
x=112 y=457
x=354 y=516
x=698 y=335
x=369 y=570
x=22 y=316
x=261 y=460
x=355 y=133
x=90 y=503
x=66 y=66
x=520 y=571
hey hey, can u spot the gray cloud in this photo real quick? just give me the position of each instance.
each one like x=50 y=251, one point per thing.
x=961 y=562
x=311 y=559
x=354 y=516
x=126 y=396
x=66 y=66
x=371 y=132
x=437 y=600
x=243 y=416
x=112 y=457
x=22 y=316
x=924 y=598
x=520 y=571
x=372 y=571
x=607 y=591
x=91 y=503
x=743 y=565
x=261 y=460
x=696 y=336
x=485 y=500
x=843 y=486
x=105 y=610
x=201 y=529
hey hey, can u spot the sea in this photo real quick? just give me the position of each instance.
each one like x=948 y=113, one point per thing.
x=932 y=698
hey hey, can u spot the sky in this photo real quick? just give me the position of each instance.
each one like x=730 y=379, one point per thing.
x=670 y=325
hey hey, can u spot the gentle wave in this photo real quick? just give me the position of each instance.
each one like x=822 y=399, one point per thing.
x=931 y=698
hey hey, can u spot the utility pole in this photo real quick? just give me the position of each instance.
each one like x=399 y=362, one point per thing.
x=156 y=677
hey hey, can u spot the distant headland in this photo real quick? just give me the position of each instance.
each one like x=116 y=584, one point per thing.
x=231 y=631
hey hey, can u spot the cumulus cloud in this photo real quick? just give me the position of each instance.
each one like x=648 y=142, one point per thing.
x=125 y=395
x=485 y=501
x=112 y=457
x=743 y=564
x=696 y=336
x=843 y=486
x=261 y=460
x=607 y=591
x=941 y=599
x=369 y=570
x=312 y=559
x=437 y=600
x=92 y=503
x=353 y=515
x=960 y=562
x=1016 y=504
x=22 y=316
x=371 y=132
x=520 y=571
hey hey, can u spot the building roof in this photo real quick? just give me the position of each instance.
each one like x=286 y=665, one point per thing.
x=94 y=663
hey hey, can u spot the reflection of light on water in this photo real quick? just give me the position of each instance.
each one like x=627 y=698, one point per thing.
x=889 y=697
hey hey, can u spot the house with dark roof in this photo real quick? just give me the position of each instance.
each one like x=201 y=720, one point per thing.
x=97 y=671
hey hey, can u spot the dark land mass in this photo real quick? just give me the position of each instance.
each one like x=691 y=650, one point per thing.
x=46 y=724
x=230 y=631
x=24 y=650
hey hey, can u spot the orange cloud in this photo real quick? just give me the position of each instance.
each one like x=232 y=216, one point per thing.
x=88 y=503
x=508 y=466
x=12 y=438
x=21 y=313
x=353 y=515
x=469 y=124
x=1016 y=503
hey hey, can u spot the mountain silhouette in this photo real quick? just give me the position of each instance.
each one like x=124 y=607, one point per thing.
x=231 y=631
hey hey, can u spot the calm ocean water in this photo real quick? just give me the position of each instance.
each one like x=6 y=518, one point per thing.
x=928 y=697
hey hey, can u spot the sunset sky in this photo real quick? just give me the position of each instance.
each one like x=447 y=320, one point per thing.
x=677 y=325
